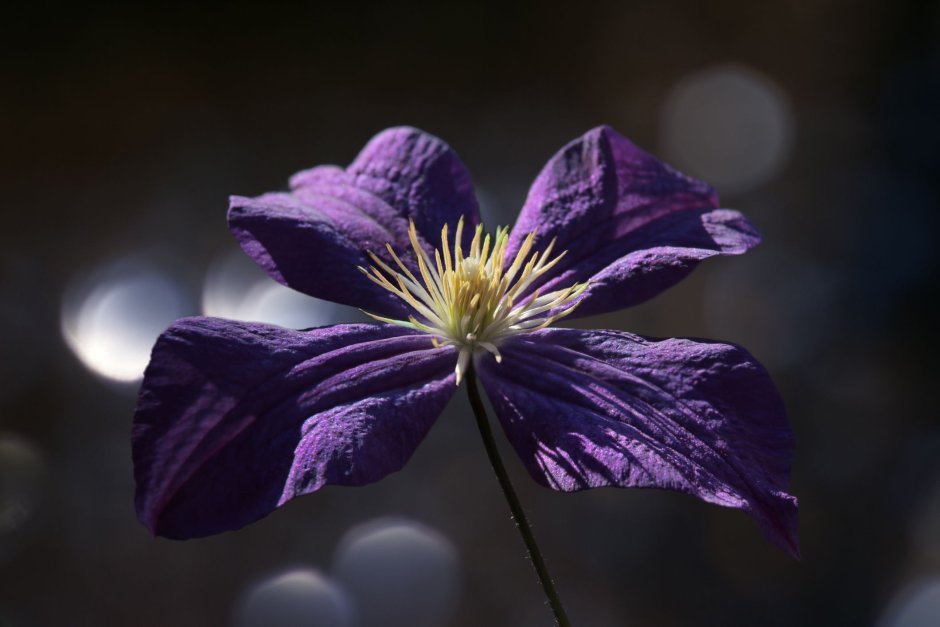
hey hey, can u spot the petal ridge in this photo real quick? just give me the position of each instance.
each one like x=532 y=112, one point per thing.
x=626 y=219
x=588 y=409
x=220 y=422
x=341 y=214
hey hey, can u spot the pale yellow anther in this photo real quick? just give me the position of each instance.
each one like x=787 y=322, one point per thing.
x=472 y=302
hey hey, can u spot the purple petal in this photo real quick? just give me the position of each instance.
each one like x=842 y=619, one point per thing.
x=586 y=409
x=304 y=247
x=417 y=174
x=632 y=225
x=315 y=236
x=235 y=419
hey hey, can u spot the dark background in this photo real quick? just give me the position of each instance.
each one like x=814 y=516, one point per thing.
x=124 y=131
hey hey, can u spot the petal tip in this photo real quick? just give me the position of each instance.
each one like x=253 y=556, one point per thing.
x=731 y=231
x=780 y=524
x=238 y=206
x=607 y=130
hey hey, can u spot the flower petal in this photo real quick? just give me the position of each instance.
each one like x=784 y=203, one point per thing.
x=414 y=172
x=632 y=225
x=235 y=419
x=305 y=248
x=313 y=238
x=586 y=409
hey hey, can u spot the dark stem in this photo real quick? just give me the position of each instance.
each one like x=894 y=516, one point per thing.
x=518 y=515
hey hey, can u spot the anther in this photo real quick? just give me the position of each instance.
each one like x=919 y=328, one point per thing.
x=474 y=302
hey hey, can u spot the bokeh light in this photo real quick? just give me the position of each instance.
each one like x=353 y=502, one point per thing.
x=916 y=605
x=111 y=318
x=728 y=125
x=237 y=289
x=297 y=598
x=126 y=130
x=402 y=573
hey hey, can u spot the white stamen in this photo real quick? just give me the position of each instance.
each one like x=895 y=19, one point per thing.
x=468 y=300
x=462 y=360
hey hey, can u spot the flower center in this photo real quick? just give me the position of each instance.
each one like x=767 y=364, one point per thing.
x=471 y=300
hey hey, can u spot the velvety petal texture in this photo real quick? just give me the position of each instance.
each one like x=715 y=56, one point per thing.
x=314 y=237
x=235 y=419
x=632 y=225
x=586 y=409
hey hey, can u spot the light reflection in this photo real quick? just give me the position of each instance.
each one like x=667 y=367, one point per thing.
x=297 y=598
x=917 y=605
x=22 y=470
x=237 y=289
x=728 y=125
x=111 y=319
x=402 y=573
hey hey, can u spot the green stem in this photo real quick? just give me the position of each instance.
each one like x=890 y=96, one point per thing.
x=518 y=515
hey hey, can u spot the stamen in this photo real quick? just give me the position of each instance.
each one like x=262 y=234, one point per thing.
x=474 y=302
x=462 y=360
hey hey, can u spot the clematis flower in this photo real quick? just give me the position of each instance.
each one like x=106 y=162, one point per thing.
x=235 y=419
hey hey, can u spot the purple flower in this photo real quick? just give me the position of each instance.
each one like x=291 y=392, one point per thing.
x=235 y=419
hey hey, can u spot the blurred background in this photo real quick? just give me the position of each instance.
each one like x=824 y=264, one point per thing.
x=124 y=131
